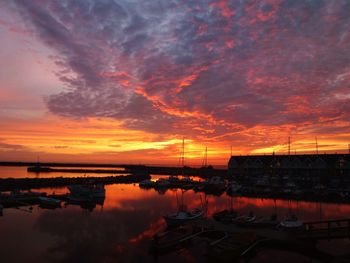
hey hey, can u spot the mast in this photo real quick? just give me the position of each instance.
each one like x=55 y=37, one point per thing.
x=183 y=153
x=289 y=146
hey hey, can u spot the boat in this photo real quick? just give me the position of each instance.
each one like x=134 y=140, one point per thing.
x=48 y=201
x=291 y=222
x=146 y=184
x=183 y=216
x=263 y=222
x=225 y=216
x=233 y=188
x=215 y=185
x=244 y=220
x=87 y=191
x=187 y=183
x=162 y=183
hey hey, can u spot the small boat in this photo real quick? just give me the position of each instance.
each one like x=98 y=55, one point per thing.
x=225 y=216
x=265 y=222
x=215 y=185
x=233 y=188
x=146 y=184
x=187 y=183
x=162 y=183
x=87 y=190
x=244 y=220
x=183 y=216
x=291 y=223
x=48 y=201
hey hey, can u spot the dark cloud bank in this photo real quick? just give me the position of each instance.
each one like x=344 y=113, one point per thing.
x=163 y=66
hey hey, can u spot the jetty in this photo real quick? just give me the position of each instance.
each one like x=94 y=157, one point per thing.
x=9 y=184
x=302 y=241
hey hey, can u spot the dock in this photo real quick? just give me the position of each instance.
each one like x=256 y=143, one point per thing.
x=328 y=229
x=302 y=241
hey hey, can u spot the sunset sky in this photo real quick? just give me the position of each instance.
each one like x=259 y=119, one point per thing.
x=124 y=81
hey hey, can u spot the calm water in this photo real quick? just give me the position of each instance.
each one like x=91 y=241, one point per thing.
x=121 y=228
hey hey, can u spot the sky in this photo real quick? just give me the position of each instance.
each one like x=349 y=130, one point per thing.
x=125 y=81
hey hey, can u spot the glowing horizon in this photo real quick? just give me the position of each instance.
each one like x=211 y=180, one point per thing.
x=125 y=82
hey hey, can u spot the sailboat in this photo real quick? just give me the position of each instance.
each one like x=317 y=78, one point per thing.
x=183 y=215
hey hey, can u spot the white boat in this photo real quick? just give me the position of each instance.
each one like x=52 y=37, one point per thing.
x=291 y=222
x=182 y=217
x=49 y=201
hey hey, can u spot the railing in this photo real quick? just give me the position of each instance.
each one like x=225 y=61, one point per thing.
x=327 y=229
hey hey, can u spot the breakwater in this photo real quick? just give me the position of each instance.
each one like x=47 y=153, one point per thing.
x=39 y=169
x=203 y=172
x=9 y=184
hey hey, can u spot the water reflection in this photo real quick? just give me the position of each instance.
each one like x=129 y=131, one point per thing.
x=119 y=228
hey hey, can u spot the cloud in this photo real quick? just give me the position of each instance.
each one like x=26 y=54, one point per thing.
x=7 y=146
x=200 y=68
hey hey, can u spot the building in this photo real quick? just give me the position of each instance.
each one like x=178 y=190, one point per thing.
x=305 y=169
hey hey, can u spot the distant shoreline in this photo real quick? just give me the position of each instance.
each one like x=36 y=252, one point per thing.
x=53 y=164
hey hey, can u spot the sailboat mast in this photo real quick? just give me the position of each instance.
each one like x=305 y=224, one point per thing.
x=183 y=153
x=289 y=146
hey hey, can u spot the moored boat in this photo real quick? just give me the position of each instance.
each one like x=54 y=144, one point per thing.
x=264 y=222
x=162 y=183
x=183 y=216
x=48 y=201
x=244 y=219
x=225 y=216
x=215 y=185
x=291 y=222
x=87 y=190
x=146 y=184
x=233 y=188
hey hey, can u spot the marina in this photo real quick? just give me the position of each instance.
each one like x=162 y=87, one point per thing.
x=227 y=226
x=175 y=131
